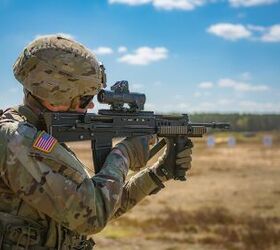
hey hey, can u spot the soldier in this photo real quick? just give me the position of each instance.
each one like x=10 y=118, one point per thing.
x=48 y=200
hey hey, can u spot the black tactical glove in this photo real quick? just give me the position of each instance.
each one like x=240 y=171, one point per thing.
x=175 y=161
x=136 y=150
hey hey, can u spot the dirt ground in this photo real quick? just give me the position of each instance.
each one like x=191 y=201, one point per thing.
x=231 y=200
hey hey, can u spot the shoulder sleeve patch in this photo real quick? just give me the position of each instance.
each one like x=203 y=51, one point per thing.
x=44 y=142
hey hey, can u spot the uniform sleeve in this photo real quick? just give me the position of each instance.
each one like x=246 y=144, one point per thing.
x=49 y=182
x=136 y=189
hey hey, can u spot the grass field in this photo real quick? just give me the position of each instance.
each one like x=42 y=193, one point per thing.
x=231 y=200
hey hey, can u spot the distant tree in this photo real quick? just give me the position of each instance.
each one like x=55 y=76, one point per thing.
x=242 y=122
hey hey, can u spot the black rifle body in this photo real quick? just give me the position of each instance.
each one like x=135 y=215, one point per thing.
x=101 y=128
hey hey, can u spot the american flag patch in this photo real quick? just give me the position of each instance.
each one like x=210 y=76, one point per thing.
x=44 y=142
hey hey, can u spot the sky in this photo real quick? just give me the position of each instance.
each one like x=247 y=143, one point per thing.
x=185 y=55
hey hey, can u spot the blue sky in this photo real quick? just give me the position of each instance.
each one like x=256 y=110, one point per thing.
x=185 y=55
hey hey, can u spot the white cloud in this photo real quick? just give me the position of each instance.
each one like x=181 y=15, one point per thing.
x=177 y=4
x=250 y=3
x=103 y=51
x=178 y=97
x=248 y=104
x=252 y=106
x=272 y=34
x=187 y=5
x=183 y=106
x=197 y=94
x=256 y=28
x=130 y=2
x=225 y=102
x=234 y=105
x=205 y=85
x=15 y=89
x=230 y=31
x=218 y=105
x=173 y=107
x=201 y=94
x=145 y=56
x=245 y=76
x=164 y=4
x=240 y=86
x=150 y=106
x=204 y=107
x=235 y=32
x=122 y=49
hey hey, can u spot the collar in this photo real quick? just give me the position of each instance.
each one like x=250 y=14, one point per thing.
x=31 y=116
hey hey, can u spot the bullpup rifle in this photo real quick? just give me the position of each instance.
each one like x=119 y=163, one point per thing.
x=125 y=118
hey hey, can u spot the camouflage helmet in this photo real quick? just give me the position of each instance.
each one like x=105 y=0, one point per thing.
x=58 y=69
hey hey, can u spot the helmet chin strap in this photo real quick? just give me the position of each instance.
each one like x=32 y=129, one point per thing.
x=74 y=104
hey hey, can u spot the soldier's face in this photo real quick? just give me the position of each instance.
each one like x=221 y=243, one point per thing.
x=65 y=108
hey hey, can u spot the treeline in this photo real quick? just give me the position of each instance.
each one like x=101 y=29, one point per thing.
x=242 y=122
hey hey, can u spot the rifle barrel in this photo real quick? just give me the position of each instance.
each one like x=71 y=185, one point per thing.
x=220 y=125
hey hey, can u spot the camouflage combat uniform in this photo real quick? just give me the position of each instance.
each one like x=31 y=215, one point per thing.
x=47 y=199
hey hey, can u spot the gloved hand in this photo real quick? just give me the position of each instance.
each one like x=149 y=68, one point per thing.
x=165 y=168
x=136 y=150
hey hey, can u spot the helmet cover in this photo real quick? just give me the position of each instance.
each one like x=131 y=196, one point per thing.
x=59 y=69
